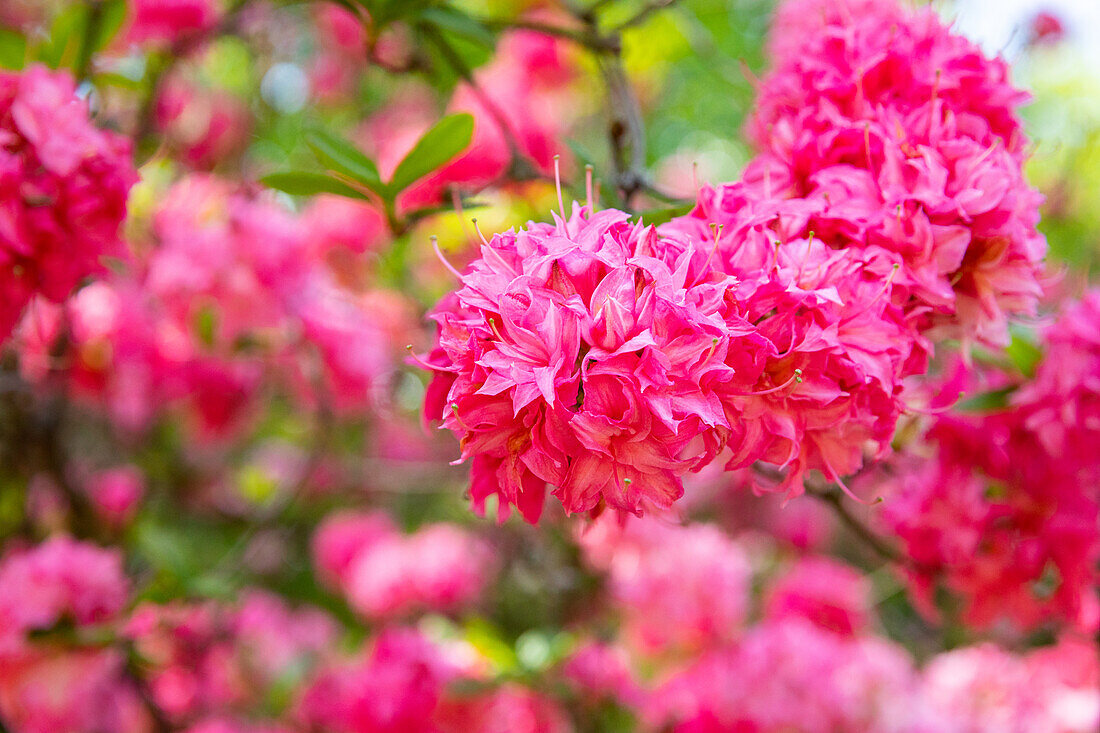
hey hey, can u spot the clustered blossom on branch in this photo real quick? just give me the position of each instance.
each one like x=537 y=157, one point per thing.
x=793 y=656
x=63 y=189
x=789 y=320
x=386 y=574
x=875 y=220
x=227 y=284
x=1005 y=514
x=905 y=137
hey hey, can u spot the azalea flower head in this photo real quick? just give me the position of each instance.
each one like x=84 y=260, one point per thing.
x=588 y=354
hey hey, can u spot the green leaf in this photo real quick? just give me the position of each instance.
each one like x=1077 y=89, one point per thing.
x=459 y=23
x=66 y=36
x=340 y=155
x=987 y=401
x=447 y=138
x=1024 y=353
x=305 y=183
x=656 y=217
x=384 y=12
x=13 y=49
x=111 y=17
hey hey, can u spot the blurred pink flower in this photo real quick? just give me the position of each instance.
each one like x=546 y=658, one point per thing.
x=63 y=190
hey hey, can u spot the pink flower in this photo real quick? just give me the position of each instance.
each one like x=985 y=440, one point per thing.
x=787 y=676
x=523 y=98
x=387 y=574
x=600 y=671
x=395 y=687
x=228 y=725
x=1005 y=514
x=337 y=225
x=984 y=689
x=57 y=580
x=83 y=691
x=827 y=593
x=165 y=21
x=841 y=347
x=206 y=127
x=510 y=709
x=906 y=137
x=64 y=186
x=593 y=355
x=116 y=493
x=201 y=660
x=679 y=588
x=340 y=539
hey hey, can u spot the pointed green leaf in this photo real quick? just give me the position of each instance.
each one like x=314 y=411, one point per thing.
x=459 y=23
x=13 y=49
x=1024 y=353
x=305 y=183
x=447 y=138
x=987 y=401
x=341 y=155
x=111 y=17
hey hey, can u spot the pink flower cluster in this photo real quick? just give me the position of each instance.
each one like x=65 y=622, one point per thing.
x=200 y=660
x=401 y=684
x=44 y=688
x=387 y=574
x=228 y=288
x=63 y=190
x=678 y=588
x=597 y=356
x=840 y=346
x=789 y=675
x=60 y=580
x=905 y=137
x=1006 y=514
x=169 y=21
x=576 y=354
x=813 y=662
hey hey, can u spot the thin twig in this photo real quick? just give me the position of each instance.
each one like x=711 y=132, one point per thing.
x=640 y=17
x=834 y=498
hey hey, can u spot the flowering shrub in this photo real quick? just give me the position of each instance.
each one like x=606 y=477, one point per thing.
x=801 y=439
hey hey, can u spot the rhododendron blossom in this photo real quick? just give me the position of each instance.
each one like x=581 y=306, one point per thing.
x=820 y=437
x=905 y=136
x=63 y=190
x=1006 y=513
x=593 y=355
x=387 y=574
x=61 y=579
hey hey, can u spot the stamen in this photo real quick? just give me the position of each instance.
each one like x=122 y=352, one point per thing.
x=493 y=326
x=588 y=188
x=439 y=254
x=454 y=409
x=479 y=234
x=416 y=359
x=867 y=143
x=713 y=347
x=557 y=183
x=717 y=229
x=844 y=487
x=885 y=285
x=796 y=377
x=456 y=200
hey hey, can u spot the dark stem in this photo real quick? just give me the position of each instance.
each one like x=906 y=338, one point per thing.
x=834 y=498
